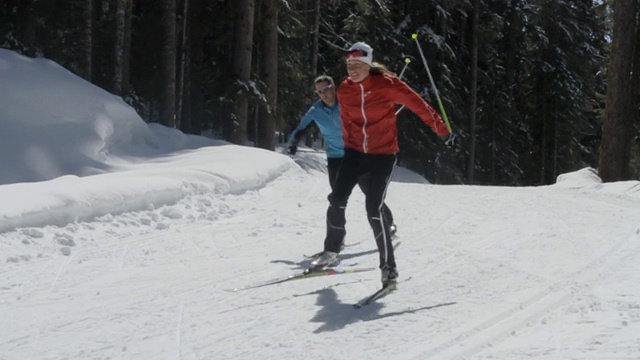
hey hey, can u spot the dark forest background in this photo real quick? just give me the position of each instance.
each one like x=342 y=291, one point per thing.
x=533 y=88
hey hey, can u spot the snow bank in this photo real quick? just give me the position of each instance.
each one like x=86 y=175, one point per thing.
x=70 y=151
x=579 y=178
x=54 y=123
x=162 y=181
x=588 y=179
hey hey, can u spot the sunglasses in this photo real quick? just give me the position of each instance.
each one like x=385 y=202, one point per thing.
x=356 y=54
x=324 y=89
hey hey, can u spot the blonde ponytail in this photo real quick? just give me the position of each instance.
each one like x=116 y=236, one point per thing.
x=378 y=68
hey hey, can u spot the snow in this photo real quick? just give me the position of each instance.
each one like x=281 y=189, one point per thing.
x=123 y=240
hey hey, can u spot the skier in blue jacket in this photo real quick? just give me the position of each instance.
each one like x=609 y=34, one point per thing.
x=326 y=114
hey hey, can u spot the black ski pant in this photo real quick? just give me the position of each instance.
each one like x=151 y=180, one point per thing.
x=333 y=165
x=377 y=169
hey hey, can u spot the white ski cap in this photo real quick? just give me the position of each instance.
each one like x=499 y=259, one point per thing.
x=362 y=52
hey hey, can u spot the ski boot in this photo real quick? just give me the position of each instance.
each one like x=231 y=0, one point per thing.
x=389 y=277
x=324 y=260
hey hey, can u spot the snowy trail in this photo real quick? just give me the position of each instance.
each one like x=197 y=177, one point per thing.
x=144 y=269
x=133 y=261
x=481 y=271
x=549 y=289
x=547 y=297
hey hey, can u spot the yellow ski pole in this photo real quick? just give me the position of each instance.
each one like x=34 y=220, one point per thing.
x=435 y=89
x=406 y=63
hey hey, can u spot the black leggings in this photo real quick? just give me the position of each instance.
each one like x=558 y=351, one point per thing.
x=374 y=170
x=333 y=165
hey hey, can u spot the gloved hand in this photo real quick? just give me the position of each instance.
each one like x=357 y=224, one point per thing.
x=292 y=149
x=450 y=140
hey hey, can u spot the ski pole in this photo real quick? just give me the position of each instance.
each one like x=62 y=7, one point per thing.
x=406 y=63
x=435 y=89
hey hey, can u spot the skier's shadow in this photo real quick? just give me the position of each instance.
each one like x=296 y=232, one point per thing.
x=335 y=315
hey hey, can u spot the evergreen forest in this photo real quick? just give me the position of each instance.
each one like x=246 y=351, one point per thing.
x=532 y=88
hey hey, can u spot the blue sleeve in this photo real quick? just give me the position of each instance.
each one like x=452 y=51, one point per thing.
x=306 y=120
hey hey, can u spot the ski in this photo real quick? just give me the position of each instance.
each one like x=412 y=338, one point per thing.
x=379 y=294
x=348 y=246
x=320 y=252
x=303 y=275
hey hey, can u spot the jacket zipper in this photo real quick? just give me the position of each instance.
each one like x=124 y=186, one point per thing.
x=365 y=139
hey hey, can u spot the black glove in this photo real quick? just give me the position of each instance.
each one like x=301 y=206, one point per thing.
x=292 y=149
x=450 y=140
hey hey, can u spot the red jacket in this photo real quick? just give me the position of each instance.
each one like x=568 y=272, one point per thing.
x=367 y=113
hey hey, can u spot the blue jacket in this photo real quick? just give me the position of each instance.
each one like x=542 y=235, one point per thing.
x=328 y=120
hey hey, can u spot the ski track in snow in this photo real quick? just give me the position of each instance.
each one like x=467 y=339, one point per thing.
x=532 y=309
x=152 y=285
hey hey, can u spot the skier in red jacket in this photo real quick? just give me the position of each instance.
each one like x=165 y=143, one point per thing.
x=368 y=98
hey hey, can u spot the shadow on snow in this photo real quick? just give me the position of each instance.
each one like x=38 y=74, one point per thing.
x=335 y=315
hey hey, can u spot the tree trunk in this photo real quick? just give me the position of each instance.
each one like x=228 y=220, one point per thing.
x=168 y=106
x=636 y=72
x=547 y=133
x=87 y=63
x=235 y=129
x=620 y=109
x=266 y=124
x=126 y=51
x=508 y=106
x=314 y=41
x=634 y=160
x=196 y=42
x=473 y=89
x=546 y=104
x=118 y=69
x=494 y=138
x=551 y=151
x=186 y=124
x=28 y=21
x=183 y=63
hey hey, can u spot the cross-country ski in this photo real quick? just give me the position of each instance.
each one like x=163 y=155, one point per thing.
x=377 y=295
x=303 y=275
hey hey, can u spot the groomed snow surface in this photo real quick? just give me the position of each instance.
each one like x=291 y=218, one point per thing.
x=121 y=240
